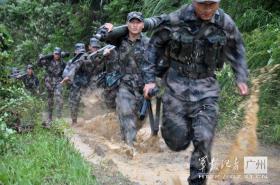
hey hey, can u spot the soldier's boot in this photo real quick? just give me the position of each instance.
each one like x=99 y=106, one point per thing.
x=74 y=121
x=47 y=123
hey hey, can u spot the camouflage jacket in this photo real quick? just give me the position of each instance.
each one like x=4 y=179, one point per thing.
x=54 y=71
x=188 y=89
x=131 y=60
x=31 y=83
x=84 y=69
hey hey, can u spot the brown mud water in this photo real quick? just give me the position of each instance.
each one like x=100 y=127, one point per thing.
x=246 y=140
x=97 y=137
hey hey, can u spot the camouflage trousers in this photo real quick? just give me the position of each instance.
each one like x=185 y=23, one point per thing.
x=55 y=98
x=109 y=98
x=127 y=105
x=184 y=122
x=75 y=96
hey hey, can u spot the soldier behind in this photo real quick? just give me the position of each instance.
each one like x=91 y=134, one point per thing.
x=79 y=81
x=201 y=39
x=131 y=58
x=54 y=67
x=82 y=74
x=30 y=81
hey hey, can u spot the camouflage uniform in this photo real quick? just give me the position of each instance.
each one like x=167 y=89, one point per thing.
x=31 y=83
x=53 y=78
x=82 y=74
x=194 y=50
x=130 y=92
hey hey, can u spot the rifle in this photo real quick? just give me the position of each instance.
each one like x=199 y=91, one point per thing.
x=64 y=54
x=17 y=74
x=100 y=52
x=146 y=105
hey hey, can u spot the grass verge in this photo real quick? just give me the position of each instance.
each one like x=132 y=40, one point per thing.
x=44 y=157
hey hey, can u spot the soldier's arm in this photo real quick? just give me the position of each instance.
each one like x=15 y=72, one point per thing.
x=155 y=53
x=235 y=51
x=44 y=60
x=111 y=62
x=70 y=71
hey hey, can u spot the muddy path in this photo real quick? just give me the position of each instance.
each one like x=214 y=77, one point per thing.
x=97 y=137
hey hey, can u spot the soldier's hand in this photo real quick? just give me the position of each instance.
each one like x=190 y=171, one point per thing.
x=109 y=26
x=147 y=88
x=65 y=80
x=243 y=89
x=106 y=52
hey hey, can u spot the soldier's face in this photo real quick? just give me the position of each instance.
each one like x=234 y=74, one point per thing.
x=206 y=10
x=92 y=49
x=56 y=56
x=29 y=71
x=135 y=26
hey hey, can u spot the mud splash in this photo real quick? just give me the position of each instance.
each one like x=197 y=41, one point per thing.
x=246 y=140
x=97 y=137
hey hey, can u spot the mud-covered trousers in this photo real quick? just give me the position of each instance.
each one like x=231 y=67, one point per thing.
x=184 y=122
x=55 y=98
x=76 y=92
x=127 y=105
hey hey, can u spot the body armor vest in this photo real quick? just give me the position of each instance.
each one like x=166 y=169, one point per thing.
x=196 y=48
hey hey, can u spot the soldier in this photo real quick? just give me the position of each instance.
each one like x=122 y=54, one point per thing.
x=54 y=67
x=30 y=81
x=79 y=82
x=196 y=41
x=131 y=58
x=82 y=74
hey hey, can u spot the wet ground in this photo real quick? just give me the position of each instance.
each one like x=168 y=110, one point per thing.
x=97 y=137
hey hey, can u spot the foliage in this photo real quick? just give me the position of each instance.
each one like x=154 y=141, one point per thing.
x=41 y=157
x=263 y=46
x=37 y=26
x=269 y=115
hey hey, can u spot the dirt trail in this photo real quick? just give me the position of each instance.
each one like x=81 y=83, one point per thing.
x=97 y=137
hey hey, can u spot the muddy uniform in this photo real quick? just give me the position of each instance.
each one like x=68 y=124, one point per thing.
x=194 y=50
x=82 y=73
x=129 y=95
x=53 y=77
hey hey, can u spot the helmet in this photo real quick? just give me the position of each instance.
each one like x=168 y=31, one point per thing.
x=29 y=66
x=94 y=43
x=57 y=50
x=80 y=47
x=135 y=15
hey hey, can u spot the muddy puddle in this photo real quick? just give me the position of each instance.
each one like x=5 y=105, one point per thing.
x=97 y=137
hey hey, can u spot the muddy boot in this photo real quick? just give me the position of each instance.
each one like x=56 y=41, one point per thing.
x=74 y=121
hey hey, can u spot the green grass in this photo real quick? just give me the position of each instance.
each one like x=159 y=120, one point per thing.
x=44 y=157
x=269 y=115
x=230 y=117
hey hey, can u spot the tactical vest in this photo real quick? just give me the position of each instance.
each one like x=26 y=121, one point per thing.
x=196 y=48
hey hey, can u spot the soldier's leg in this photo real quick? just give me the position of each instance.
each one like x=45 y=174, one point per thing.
x=126 y=105
x=50 y=105
x=176 y=128
x=58 y=99
x=109 y=97
x=203 y=124
x=74 y=100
